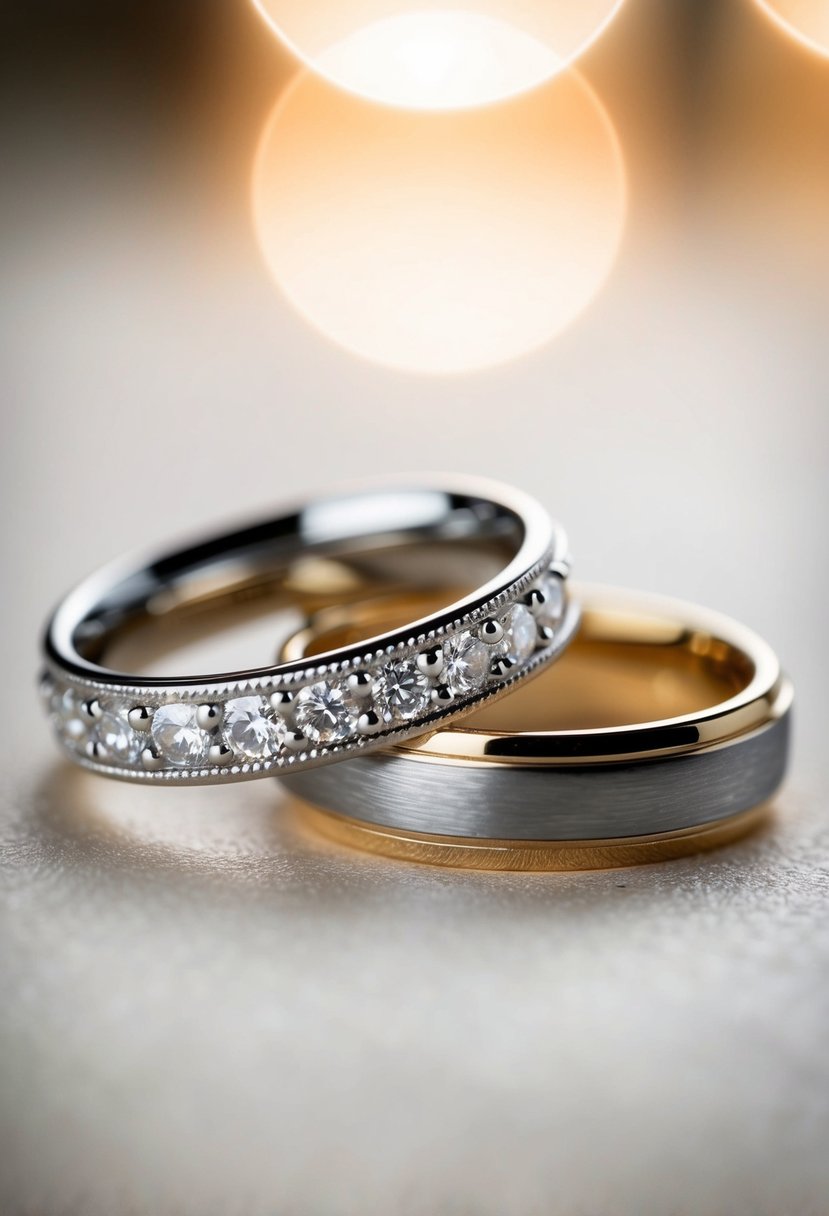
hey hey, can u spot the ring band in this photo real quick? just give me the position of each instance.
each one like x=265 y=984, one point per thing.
x=530 y=855
x=500 y=791
x=389 y=686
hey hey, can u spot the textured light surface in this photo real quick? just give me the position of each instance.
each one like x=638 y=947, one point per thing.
x=205 y=1012
x=202 y=1005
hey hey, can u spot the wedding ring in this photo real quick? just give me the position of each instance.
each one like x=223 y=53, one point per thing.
x=663 y=731
x=385 y=687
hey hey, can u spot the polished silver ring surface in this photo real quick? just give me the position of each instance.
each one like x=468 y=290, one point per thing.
x=216 y=727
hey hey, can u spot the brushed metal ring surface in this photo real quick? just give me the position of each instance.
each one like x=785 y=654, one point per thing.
x=388 y=686
x=630 y=780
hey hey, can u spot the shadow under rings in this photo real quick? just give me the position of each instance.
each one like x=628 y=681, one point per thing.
x=226 y=837
x=106 y=832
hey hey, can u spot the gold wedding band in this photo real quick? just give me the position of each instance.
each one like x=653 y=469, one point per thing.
x=662 y=732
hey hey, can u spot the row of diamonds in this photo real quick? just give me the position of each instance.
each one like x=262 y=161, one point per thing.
x=330 y=712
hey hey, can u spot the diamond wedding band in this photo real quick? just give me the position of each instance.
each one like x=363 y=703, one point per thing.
x=229 y=725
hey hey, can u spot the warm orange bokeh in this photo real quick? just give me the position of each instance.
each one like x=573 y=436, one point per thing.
x=439 y=242
x=805 y=20
x=429 y=56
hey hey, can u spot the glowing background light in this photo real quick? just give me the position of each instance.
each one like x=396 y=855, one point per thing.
x=426 y=56
x=439 y=242
x=440 y=59
x=805 y=20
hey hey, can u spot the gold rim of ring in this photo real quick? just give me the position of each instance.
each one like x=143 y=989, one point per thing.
x=530 y=855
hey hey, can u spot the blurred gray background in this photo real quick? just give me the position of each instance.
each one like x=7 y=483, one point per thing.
x=205 y=1010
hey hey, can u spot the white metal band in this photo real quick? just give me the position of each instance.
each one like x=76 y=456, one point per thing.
x=242 y=724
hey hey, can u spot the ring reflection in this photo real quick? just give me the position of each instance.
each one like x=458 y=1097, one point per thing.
x=442 y=242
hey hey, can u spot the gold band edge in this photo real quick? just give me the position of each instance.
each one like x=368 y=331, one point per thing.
x=529 y=855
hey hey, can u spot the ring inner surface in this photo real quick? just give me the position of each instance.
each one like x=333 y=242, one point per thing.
x=232 y=616
x=621 y=669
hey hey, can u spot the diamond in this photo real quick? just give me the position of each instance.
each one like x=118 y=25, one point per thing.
x=251 y=730
x=326 y=713
x=401 y=691
x=466 y=663
x=66 y=711
x=520 y=634
x=178 y=736
x=550 y=612
x=116 y=736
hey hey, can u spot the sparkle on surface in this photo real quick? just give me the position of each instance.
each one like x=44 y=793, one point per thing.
x=251 y=729
x=117 y=736
x=325 y=713
x=466 y=664
x=178 y=736
x=552 y=609
x=401 y=691
x=520 y=633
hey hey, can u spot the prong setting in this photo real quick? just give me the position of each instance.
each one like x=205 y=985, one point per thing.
x=359 y=683
x=140 y=718
x=491 y=632
x=91 y=710
x=430 y=662
x=209 y=716
x=219 y=753
x=369 y=723
x=150 y=760
x=535 y=600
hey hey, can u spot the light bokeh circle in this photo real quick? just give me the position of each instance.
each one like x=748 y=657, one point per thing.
x=429 y=56
x=439 y=243
x=806 y=21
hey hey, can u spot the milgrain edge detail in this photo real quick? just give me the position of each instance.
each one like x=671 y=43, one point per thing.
x=138 y=702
